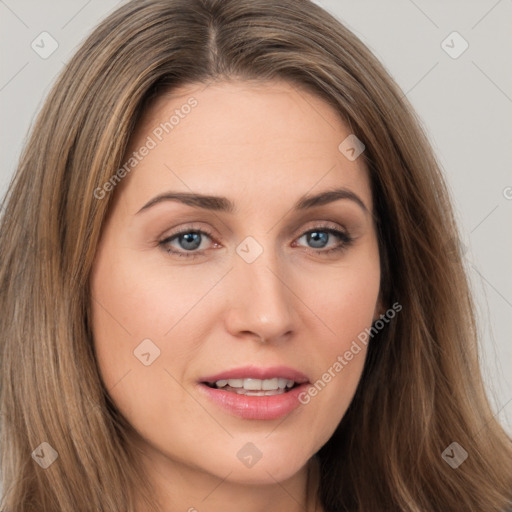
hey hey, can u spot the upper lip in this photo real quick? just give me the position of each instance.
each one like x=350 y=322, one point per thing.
x=256 y=372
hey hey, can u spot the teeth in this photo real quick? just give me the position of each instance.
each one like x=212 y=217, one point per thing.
x=270 y=384
x=260 y=393
x=253 y=384
x=274 y=384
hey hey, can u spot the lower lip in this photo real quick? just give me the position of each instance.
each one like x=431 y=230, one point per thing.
x=256 y=407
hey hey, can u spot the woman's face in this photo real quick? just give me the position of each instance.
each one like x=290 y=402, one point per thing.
x=205 y=310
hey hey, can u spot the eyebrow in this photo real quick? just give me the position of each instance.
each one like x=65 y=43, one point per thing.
x=223 y=204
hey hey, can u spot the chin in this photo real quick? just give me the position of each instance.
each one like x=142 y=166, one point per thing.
x=262 y=463
x=266 y=474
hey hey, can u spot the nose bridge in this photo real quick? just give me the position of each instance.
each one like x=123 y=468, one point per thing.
x=261 y=302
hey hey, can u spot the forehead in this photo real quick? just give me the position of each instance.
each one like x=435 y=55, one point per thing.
x=241 y=138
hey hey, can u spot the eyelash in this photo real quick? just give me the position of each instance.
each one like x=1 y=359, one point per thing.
x=346 y=241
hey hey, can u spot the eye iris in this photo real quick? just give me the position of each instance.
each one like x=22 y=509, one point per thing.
x=318 y=237
x=192 y=241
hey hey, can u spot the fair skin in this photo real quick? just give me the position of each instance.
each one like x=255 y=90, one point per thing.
x=263 y=147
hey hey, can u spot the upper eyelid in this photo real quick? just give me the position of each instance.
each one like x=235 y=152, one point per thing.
x=298 y=232
x=329 y=228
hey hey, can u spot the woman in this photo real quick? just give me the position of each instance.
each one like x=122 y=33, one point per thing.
x=225 y=282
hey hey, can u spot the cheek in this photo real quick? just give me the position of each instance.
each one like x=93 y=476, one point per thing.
x=133 y=301
x=137 y=317
x=169 y=314
x=344 y=298
x=345 y=304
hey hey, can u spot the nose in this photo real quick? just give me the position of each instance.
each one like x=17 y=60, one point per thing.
x=260 y=305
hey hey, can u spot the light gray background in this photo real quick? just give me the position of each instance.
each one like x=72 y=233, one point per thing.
x=465 y=104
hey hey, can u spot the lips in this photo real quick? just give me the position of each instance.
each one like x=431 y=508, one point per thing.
x=256 y=393
x=254 y=372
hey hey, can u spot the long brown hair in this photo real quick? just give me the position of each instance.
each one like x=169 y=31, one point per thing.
x=421 y=387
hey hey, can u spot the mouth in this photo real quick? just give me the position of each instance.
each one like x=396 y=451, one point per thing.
x=256 y=393
x=254 y=387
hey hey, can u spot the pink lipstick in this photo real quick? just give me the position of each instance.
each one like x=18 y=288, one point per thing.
x=256 y=393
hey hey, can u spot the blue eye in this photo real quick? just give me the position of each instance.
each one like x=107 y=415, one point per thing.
x=186 y=243
x=319 y=238
x=188 y=240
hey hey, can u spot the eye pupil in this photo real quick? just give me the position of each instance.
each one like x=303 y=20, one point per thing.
x=318 y=237
x=192 y=241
